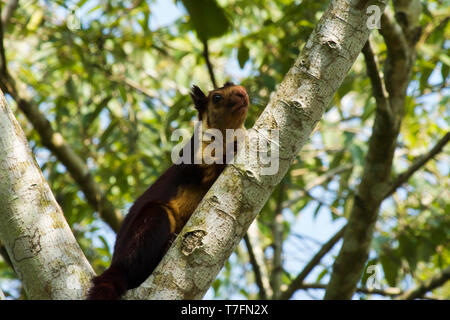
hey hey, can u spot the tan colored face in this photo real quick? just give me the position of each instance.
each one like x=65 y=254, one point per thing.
x=223 y=108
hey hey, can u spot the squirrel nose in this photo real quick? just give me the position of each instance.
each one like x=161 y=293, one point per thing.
x=242 y=94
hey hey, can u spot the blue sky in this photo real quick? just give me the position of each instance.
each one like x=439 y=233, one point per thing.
x=296 y=253
x=319 y=228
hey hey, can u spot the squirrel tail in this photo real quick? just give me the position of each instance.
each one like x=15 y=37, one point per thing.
x=110 y=285
x=141 y=243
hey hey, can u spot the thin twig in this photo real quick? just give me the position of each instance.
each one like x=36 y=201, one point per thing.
x=433 y=283
x=388 y=292
x=402 y=178
x=417 y=164
x=208 y=63
x=277 y=231
x=324 y=178
x=298 y=281
x=255 y=267
x=373 y=71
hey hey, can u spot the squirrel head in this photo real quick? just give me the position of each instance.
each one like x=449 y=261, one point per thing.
x=223 y=108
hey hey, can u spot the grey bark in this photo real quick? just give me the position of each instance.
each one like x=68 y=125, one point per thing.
x=227 y=210
x=390 y=94
x=39 y=242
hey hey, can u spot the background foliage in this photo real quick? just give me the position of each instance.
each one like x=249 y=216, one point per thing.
x=117 y=85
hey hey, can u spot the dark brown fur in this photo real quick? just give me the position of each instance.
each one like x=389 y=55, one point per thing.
x=164 y=208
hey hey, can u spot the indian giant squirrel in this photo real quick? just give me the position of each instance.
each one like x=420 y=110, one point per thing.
x=164 y=208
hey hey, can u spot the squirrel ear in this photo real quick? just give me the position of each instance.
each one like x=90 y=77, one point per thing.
x=199 y=98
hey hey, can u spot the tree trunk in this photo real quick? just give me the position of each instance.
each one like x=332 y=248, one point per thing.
x=227 y=210
x=42 y=248
x=390 y=94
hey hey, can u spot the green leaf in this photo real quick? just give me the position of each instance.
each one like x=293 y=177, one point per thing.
x=348 y=205
x=391 y=268
x=445 y=70
x=322 y=274
x=105 y=244
x=243 y=55
x=357 y=154
x=35 y=20
x=408 y=249
x=208 y=19
x=366 y=275
x=319 y=206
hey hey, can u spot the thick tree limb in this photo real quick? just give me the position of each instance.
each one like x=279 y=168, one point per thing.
x=370 y=193
x=297 y=283
x=229 y=207
x=401 y=178
x=400 y=59
x=55 y=142
x=373 y=71
x=40 y=244
x=433 y=283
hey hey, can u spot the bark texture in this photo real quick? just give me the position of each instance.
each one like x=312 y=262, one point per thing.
x=227 y=210
x=390 y=94
x=42 y=248
x=56 y=143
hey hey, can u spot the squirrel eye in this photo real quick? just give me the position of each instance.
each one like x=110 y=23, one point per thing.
x=216 y=98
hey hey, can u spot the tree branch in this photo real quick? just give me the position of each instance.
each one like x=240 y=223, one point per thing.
x=42 y=248
x=400 y=59
x=297 y=283
x=433 y=283
x=76 y=167
x=378 y=88
x=256 y=268
x=8 y=11
x=55 y=142
x=401 y=178
x=277 y=232
x=259 y=278
x=393 y=35
x=3 y=62
x=225 y=213
x=354 y=252
x=209 y=64
x=388 y=292
x=417 y=164
x=324 y=178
